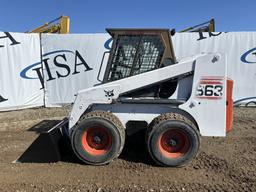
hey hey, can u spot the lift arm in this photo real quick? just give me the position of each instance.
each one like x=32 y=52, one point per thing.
x=108 y=92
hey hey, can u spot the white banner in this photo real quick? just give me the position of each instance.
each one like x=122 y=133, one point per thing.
x=18 y=88
x=70 y=63
x=240 y=48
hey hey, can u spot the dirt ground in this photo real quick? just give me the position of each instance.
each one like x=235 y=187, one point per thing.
x=223 y=164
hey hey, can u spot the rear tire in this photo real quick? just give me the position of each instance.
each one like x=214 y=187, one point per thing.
x=172 y=140
x=98 y=138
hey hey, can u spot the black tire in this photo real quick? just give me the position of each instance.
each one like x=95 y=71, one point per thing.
x=103 y=126
x=172 y=140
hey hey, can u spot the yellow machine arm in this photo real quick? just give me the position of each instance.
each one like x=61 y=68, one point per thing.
x=208 y=26
x=60 y=25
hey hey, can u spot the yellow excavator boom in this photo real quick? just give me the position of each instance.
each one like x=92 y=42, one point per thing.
x=208 y=26
x=60 y=25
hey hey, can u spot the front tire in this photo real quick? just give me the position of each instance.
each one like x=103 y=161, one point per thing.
x=98 y=138
x=172 y=140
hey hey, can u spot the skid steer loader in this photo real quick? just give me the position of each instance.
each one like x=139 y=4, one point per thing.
x=143 y=82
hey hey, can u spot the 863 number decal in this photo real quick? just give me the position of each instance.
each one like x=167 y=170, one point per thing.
x=210 y=88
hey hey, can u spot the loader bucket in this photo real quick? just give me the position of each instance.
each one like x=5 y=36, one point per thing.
x=48 y=147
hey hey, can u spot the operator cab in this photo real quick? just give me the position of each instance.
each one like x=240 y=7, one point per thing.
x=135 y=51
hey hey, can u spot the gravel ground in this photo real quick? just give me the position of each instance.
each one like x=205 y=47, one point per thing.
x=223 y=164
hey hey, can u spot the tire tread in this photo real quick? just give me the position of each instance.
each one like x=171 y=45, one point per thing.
x=109 y=117
x=167 y=117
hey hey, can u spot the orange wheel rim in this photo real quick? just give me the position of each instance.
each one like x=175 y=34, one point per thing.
x=174 y=143
x=96 y=140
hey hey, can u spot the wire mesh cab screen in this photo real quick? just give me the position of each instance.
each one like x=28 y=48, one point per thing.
x=135 y=54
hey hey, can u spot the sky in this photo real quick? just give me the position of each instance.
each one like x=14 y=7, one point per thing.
x=95 y=15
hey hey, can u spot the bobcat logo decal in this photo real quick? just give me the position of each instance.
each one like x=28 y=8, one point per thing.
x=109 y=93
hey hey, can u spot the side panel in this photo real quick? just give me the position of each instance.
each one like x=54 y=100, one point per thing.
x=207 y=103
x=99 y=94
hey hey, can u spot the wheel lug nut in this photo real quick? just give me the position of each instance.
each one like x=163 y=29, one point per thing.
x=97 y=139
x=172 y=142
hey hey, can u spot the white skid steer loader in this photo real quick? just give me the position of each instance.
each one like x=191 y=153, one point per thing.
x=143 y=82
